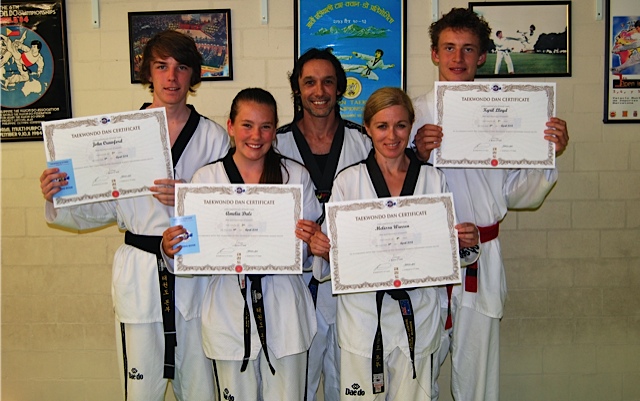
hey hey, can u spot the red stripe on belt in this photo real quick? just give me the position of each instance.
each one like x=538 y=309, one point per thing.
x=471 y=278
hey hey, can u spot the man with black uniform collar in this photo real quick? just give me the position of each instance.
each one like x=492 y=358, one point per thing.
x=325 y=143
x=158 y=316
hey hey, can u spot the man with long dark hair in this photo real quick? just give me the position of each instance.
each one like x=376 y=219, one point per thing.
x=325 y=143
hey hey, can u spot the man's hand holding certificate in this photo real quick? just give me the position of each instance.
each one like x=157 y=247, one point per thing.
x=494 y=125
x=109 y=156
x=392 y=243
x=239 y=229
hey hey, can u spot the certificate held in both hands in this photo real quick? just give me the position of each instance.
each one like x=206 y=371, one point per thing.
x=240 y=229
x=392 y=243
x=494 y=124
x=109 y=156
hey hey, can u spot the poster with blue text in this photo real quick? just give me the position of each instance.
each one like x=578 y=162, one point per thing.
x=368 y=37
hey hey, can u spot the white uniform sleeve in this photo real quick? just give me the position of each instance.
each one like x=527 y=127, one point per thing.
x=527 y=188
x=81 y=217
x=470 y=255
x=312 y=209
x=322 y=268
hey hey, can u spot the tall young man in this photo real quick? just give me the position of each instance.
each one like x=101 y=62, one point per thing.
x=158 y=316
x=459 y=43
x=325 y=143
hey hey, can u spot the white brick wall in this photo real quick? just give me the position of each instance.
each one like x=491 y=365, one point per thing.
x=571 y=330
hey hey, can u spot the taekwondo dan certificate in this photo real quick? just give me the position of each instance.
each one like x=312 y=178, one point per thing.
x=241 y=228
x=110 y=156
x=494 y=124
x=392 y=243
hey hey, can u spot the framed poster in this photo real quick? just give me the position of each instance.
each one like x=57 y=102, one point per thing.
x=368 y=37
x=622 y=66
x=35 y=68
x=210 y=29
x=528 y=38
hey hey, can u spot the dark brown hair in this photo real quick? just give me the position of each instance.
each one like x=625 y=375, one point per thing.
x=272 y=173
x=460 y=19
x=171 y=44
x=296 y=74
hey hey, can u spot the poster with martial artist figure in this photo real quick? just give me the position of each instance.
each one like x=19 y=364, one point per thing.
x=367 y=37
x=35 y=71
x=622 y=65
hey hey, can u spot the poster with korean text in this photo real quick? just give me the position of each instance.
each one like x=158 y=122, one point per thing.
x=368 y=37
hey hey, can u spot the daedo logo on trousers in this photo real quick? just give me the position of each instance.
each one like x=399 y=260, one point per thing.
x=227 y=395
x=355 y=390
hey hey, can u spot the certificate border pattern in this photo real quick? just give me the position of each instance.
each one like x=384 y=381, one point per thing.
x=230 y=189
x=487 y=88
x=380 y=204
x=48 y=132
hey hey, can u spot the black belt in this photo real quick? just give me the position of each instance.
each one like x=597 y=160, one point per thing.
x=166 y=280
x=258 y=313
x=377 y=357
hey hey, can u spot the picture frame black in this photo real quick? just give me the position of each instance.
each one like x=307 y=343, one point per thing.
x=622 y=62
x=210 y=29
x=35 y=67
x=534 y=36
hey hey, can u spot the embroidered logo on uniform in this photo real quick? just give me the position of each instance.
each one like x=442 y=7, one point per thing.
x=135 y=375
x=227 y=395
x=355 y=390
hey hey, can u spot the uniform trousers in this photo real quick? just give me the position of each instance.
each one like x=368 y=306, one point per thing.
x=324 y=359
x=474 y=343
x=257 y=383
x=141 y=361
x=355 y=378
x=507 y=59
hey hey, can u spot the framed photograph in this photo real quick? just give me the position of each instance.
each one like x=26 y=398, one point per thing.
x=528 y=38
x=35 y=67
x=210 y=29
x=622 y=62
x=369 y=39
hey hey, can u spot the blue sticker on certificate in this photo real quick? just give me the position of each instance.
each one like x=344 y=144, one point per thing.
x=190 y=243
x=65 y=166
